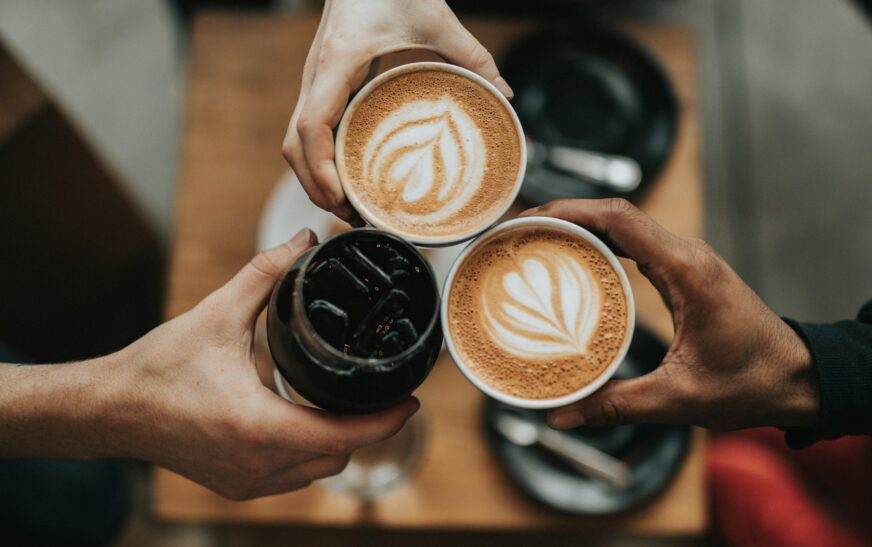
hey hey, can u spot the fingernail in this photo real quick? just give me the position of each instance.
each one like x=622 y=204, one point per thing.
x=565 y=420
x=530 y=212
x=301 y=238
x=504 y=87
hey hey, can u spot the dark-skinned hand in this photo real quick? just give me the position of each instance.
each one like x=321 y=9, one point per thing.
x=732 y=363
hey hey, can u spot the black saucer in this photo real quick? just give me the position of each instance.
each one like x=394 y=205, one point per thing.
x=591 y=88
x=654 y=452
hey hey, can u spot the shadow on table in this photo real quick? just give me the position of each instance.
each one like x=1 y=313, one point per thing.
x=233 y=536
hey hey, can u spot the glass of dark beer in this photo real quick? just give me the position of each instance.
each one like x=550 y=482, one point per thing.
x=353 y=327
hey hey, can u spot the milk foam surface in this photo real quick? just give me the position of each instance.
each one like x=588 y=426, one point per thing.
x=546 y=306
x=431 y=153
x=537 y=313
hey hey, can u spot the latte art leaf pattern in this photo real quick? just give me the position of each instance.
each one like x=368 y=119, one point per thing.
x=428 y=155
x=547 y=307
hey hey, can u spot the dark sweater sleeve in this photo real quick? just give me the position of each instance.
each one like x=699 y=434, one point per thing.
x=842 y=355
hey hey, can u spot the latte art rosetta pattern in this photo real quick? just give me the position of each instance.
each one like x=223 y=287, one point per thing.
x=430 y=156
x=547 y=308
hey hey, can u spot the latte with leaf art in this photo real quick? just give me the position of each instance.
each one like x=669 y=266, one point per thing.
x=430 y=154
x=546 y=305
x=537 y=313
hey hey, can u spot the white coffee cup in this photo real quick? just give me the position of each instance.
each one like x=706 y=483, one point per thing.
x=575 y=231
x=361 y=207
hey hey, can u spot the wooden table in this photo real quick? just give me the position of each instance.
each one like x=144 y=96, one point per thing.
x=244 y=77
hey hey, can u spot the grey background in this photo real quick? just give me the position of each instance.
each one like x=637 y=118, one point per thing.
x=786 y=118
x=787 y=140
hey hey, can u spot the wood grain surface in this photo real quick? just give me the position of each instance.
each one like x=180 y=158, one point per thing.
x=243 y=83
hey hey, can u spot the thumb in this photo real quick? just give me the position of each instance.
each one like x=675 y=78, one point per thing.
x=460 y=47
x=249 y=289
x=643 y=399
x=627 y=230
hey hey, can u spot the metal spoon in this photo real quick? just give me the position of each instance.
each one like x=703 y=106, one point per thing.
x=585 y=458
x=618 y=173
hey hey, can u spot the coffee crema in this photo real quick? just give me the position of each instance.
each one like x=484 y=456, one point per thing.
x=537 y=313
x=431 y=154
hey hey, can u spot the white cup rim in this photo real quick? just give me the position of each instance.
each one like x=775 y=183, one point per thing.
x=588 y=389
x=360 y=207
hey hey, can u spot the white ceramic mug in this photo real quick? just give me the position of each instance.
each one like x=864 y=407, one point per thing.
x=361 y=207
x=574 y=231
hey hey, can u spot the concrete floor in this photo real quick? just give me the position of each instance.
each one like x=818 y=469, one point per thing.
x=808 y=137
x=787 y=125
x=787 y=129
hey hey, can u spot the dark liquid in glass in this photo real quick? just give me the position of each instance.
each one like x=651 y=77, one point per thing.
x=359 y=331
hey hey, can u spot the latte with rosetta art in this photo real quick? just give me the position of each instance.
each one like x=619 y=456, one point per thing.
x=537 y=313
x=430 y=153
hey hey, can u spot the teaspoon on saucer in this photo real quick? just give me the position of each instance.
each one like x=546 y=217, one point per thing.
x=585 y=458
x=618 y=173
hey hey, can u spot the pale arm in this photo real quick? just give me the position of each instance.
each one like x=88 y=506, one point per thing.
x=187 y=397
x=60 y=411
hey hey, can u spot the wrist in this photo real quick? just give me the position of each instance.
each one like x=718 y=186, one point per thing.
x=86 y=394
x=102 y=416
x=800 y=400
x=121 y=408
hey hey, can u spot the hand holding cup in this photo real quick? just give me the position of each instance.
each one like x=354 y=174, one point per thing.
x=351 y=37
x=732 y=363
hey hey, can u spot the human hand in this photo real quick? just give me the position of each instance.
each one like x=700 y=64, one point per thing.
x=733 y=363
x=187 y=397
x=351 y=36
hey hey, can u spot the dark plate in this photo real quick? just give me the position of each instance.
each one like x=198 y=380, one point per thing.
x=654 y=452
x=595 y=89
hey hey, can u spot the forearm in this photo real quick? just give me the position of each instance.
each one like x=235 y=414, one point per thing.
x=56 y=410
